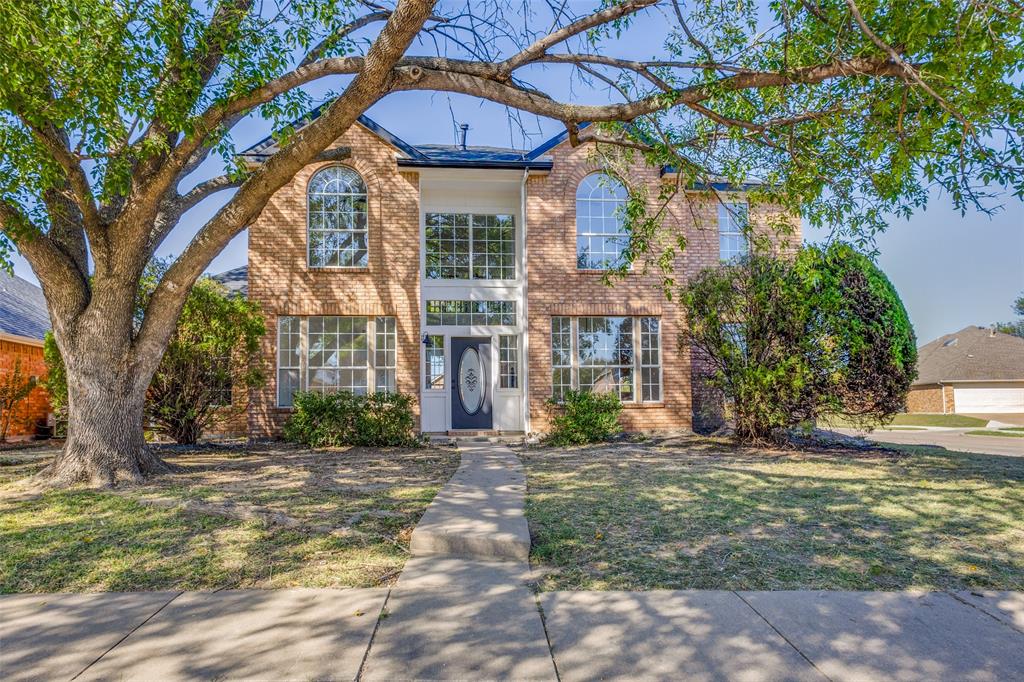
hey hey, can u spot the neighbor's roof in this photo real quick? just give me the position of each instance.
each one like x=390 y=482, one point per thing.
x=235 y=280
x=428 y=155
x=22 y=308
x=971 y=354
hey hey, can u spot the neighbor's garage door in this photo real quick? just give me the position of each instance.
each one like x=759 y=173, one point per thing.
x=990 y=398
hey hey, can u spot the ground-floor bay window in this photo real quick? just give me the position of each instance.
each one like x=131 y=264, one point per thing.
x=327 y=353
x=621 y=355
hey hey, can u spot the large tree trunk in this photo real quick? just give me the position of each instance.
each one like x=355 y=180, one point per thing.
x=106 y=395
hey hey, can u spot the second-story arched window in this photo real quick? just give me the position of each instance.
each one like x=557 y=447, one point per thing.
x=337 y=220
x=601 y=236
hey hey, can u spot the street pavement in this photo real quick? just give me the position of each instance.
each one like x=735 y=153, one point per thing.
x=951 y=439
x=465 y=608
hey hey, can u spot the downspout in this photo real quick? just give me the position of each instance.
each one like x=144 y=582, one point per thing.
x=526 y=310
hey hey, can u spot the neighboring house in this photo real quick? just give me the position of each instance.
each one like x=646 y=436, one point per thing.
x=24 y=321
x=472 y=278
x=974 y=371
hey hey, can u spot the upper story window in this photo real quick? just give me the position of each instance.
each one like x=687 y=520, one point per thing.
x=732 y=230
x=601 y=235
x=470 y=246
x=336 y=202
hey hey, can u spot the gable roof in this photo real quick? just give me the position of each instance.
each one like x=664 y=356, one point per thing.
x=22 y=308
x=236 y=280
x=971 y=354
x=424 y=155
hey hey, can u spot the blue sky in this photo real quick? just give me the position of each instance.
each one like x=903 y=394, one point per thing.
x=950 y=270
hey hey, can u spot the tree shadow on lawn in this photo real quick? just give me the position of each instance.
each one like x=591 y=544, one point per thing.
x=88 y=540
x=621 y=518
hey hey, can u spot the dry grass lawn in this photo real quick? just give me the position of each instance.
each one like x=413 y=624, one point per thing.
x=700 y=513
x=269 y=516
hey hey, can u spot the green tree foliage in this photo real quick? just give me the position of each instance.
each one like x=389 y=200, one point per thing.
x=213 y=354
x=794 y=339
x=584 y=417
x=14 y=388
x=1017 y=326
x=56 y=383
x=116 y=119
x=338 y=419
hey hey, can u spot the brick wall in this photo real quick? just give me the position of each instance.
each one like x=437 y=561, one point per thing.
x=925 y=399
x=283 y=284
x=37 y=405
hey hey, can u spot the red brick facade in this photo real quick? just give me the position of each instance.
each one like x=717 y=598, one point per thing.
x=932 y=399
x=282 y=282
x=36 y=407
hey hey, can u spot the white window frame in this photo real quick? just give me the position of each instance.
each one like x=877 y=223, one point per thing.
x=637 y=366
x=513 y=359
x=427 y=386
x=590 y=233
x=303 y=366
x=471 y=253
x=729 y=228
x=309 y=226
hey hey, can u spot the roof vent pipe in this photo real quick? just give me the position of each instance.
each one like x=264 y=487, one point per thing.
x=463 y=130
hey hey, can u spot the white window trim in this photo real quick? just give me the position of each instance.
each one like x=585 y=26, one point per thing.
x=371 y=348
x=576 y=203
x=471 y=278
x=574 y=367
x=726 y=208
x=309 y=242
x=518 y=363
x=427 y=388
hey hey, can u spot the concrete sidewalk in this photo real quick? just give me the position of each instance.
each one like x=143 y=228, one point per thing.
x=438 y=633
x=464 y=609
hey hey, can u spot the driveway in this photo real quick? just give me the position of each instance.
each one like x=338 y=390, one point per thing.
x=1015 y=418
x=951 y=439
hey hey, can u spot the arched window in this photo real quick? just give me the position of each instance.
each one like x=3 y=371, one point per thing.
x=601 y=236
x=336 y=203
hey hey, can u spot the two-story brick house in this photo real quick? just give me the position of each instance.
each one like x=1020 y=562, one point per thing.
x=471 y=278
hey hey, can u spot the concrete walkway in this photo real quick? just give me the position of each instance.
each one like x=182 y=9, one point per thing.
x=457 y=613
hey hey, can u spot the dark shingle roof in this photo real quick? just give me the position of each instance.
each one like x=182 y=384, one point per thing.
x=436 y=155
x=22 y=308
x=971 y=354
x=235 y=280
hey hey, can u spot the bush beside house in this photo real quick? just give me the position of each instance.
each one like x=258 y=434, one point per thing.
x=321 y=420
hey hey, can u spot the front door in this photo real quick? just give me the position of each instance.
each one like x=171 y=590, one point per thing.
x=471 y=383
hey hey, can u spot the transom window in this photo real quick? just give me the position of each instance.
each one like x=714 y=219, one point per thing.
x=601 y=235
x=337 y=228
x=470 y=313
x=470 y=246
x=334 y=353
x=597 y=354
x=732 y=231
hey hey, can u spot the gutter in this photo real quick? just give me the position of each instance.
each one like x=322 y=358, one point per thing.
x=24 y=340
x=526 y=310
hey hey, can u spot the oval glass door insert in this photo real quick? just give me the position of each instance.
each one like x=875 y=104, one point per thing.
x=471 y=381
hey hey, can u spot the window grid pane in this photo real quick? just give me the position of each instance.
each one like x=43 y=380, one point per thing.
x=337 y=215
x=561 y=356
x=732 y=226
x=289 y=358
x=435 y=362
x=470 y=246
x=466 y=313
x=385 y=354
x=601 y=235
x=508 y=361
x=338 y=354
x=605 y=350
x=650 y=359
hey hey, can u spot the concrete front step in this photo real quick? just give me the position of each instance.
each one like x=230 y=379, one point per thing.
x=479 y=512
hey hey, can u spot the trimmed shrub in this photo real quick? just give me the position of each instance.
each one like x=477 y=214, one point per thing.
x=337 y=419
x=585 y=417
